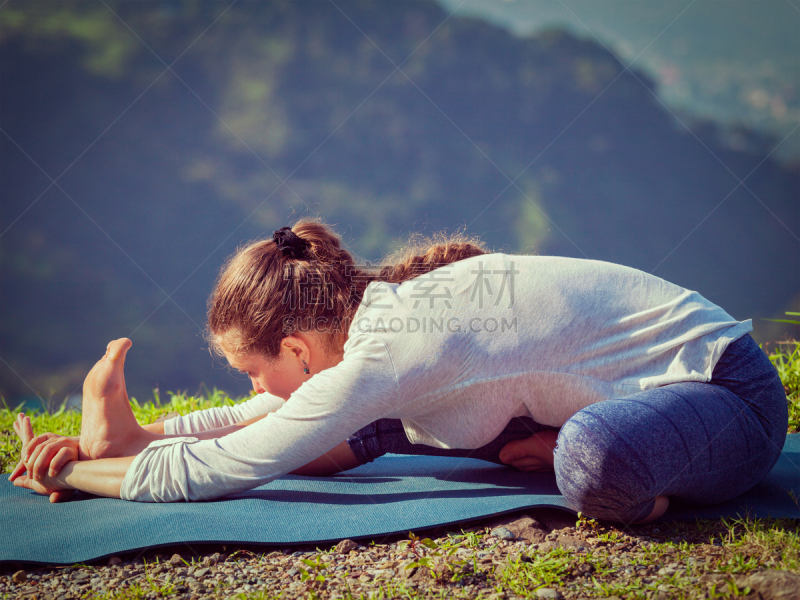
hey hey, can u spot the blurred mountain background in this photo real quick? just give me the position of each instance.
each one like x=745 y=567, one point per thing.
x=142 y=142
x=736 y=62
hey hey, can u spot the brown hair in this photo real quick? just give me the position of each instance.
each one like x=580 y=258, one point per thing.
x=262 y=296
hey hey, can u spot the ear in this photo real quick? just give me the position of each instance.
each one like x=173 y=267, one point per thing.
x=297 y=346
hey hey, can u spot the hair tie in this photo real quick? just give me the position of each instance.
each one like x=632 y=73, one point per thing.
x=290 y=244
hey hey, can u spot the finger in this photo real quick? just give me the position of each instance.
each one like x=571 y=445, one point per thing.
x=28 y=448
x=42 y=460
x=62 y=457
x=18 y=431
x=50 y=450
x=27 y=427
x=28 y=483
x=61 y=495
x=33 y=459
x=18 y=470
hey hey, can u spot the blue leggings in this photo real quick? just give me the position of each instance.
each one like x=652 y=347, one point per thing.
x=699 y=443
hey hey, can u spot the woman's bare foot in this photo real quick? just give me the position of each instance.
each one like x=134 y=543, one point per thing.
x=108 y=427
x=659 y=508
x=534 y=453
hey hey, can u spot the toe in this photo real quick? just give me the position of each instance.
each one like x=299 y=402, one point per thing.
x=118 y=349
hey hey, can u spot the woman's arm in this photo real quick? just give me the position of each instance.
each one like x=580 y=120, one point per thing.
x=219 y=416
x=44 y=450
x=216 y=417
x=323 y=411
x=152 y=428
x=102 y=477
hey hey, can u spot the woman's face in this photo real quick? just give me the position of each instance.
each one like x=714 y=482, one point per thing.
x=282 y=375
x=279 y=377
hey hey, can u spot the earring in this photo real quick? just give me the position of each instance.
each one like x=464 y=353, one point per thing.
x=305 y=368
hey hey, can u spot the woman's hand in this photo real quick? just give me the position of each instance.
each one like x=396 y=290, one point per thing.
x=47 y=486
x=43 y=457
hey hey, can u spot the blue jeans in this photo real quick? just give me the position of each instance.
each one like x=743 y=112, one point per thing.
x=694 y=442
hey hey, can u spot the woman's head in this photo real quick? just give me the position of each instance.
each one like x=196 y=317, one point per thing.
x=287 y=299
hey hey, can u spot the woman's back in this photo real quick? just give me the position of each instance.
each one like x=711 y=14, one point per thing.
x=481 y=340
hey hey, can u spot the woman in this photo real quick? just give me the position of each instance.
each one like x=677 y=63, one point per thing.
x=636 y=390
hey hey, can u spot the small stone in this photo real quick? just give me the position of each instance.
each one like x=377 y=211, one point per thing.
x=774 y=584
x=406 y=571
x=346 y=546
x=80 y=576
x=19 y=577
x=210 y=561
x=176 y=560
x=385 y=573
x=547 y=593
x=114 y=561
x=503 y=534
x=527 y=529
x=200 y=573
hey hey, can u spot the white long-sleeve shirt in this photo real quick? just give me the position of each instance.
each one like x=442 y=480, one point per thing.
x=456 y=353
x=222 y=416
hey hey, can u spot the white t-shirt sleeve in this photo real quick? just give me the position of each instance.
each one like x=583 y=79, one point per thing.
x=319 y=415
x=222 y=416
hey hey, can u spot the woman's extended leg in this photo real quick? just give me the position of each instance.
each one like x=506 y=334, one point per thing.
x=697 y=442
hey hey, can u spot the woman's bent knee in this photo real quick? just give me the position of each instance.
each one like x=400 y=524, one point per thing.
x=595 y=474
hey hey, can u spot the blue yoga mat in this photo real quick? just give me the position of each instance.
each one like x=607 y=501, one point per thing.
x=394 y=494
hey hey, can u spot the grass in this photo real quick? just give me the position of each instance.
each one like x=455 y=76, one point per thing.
x=714 y=557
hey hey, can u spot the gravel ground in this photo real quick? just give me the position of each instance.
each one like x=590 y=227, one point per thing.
x=492 y=555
